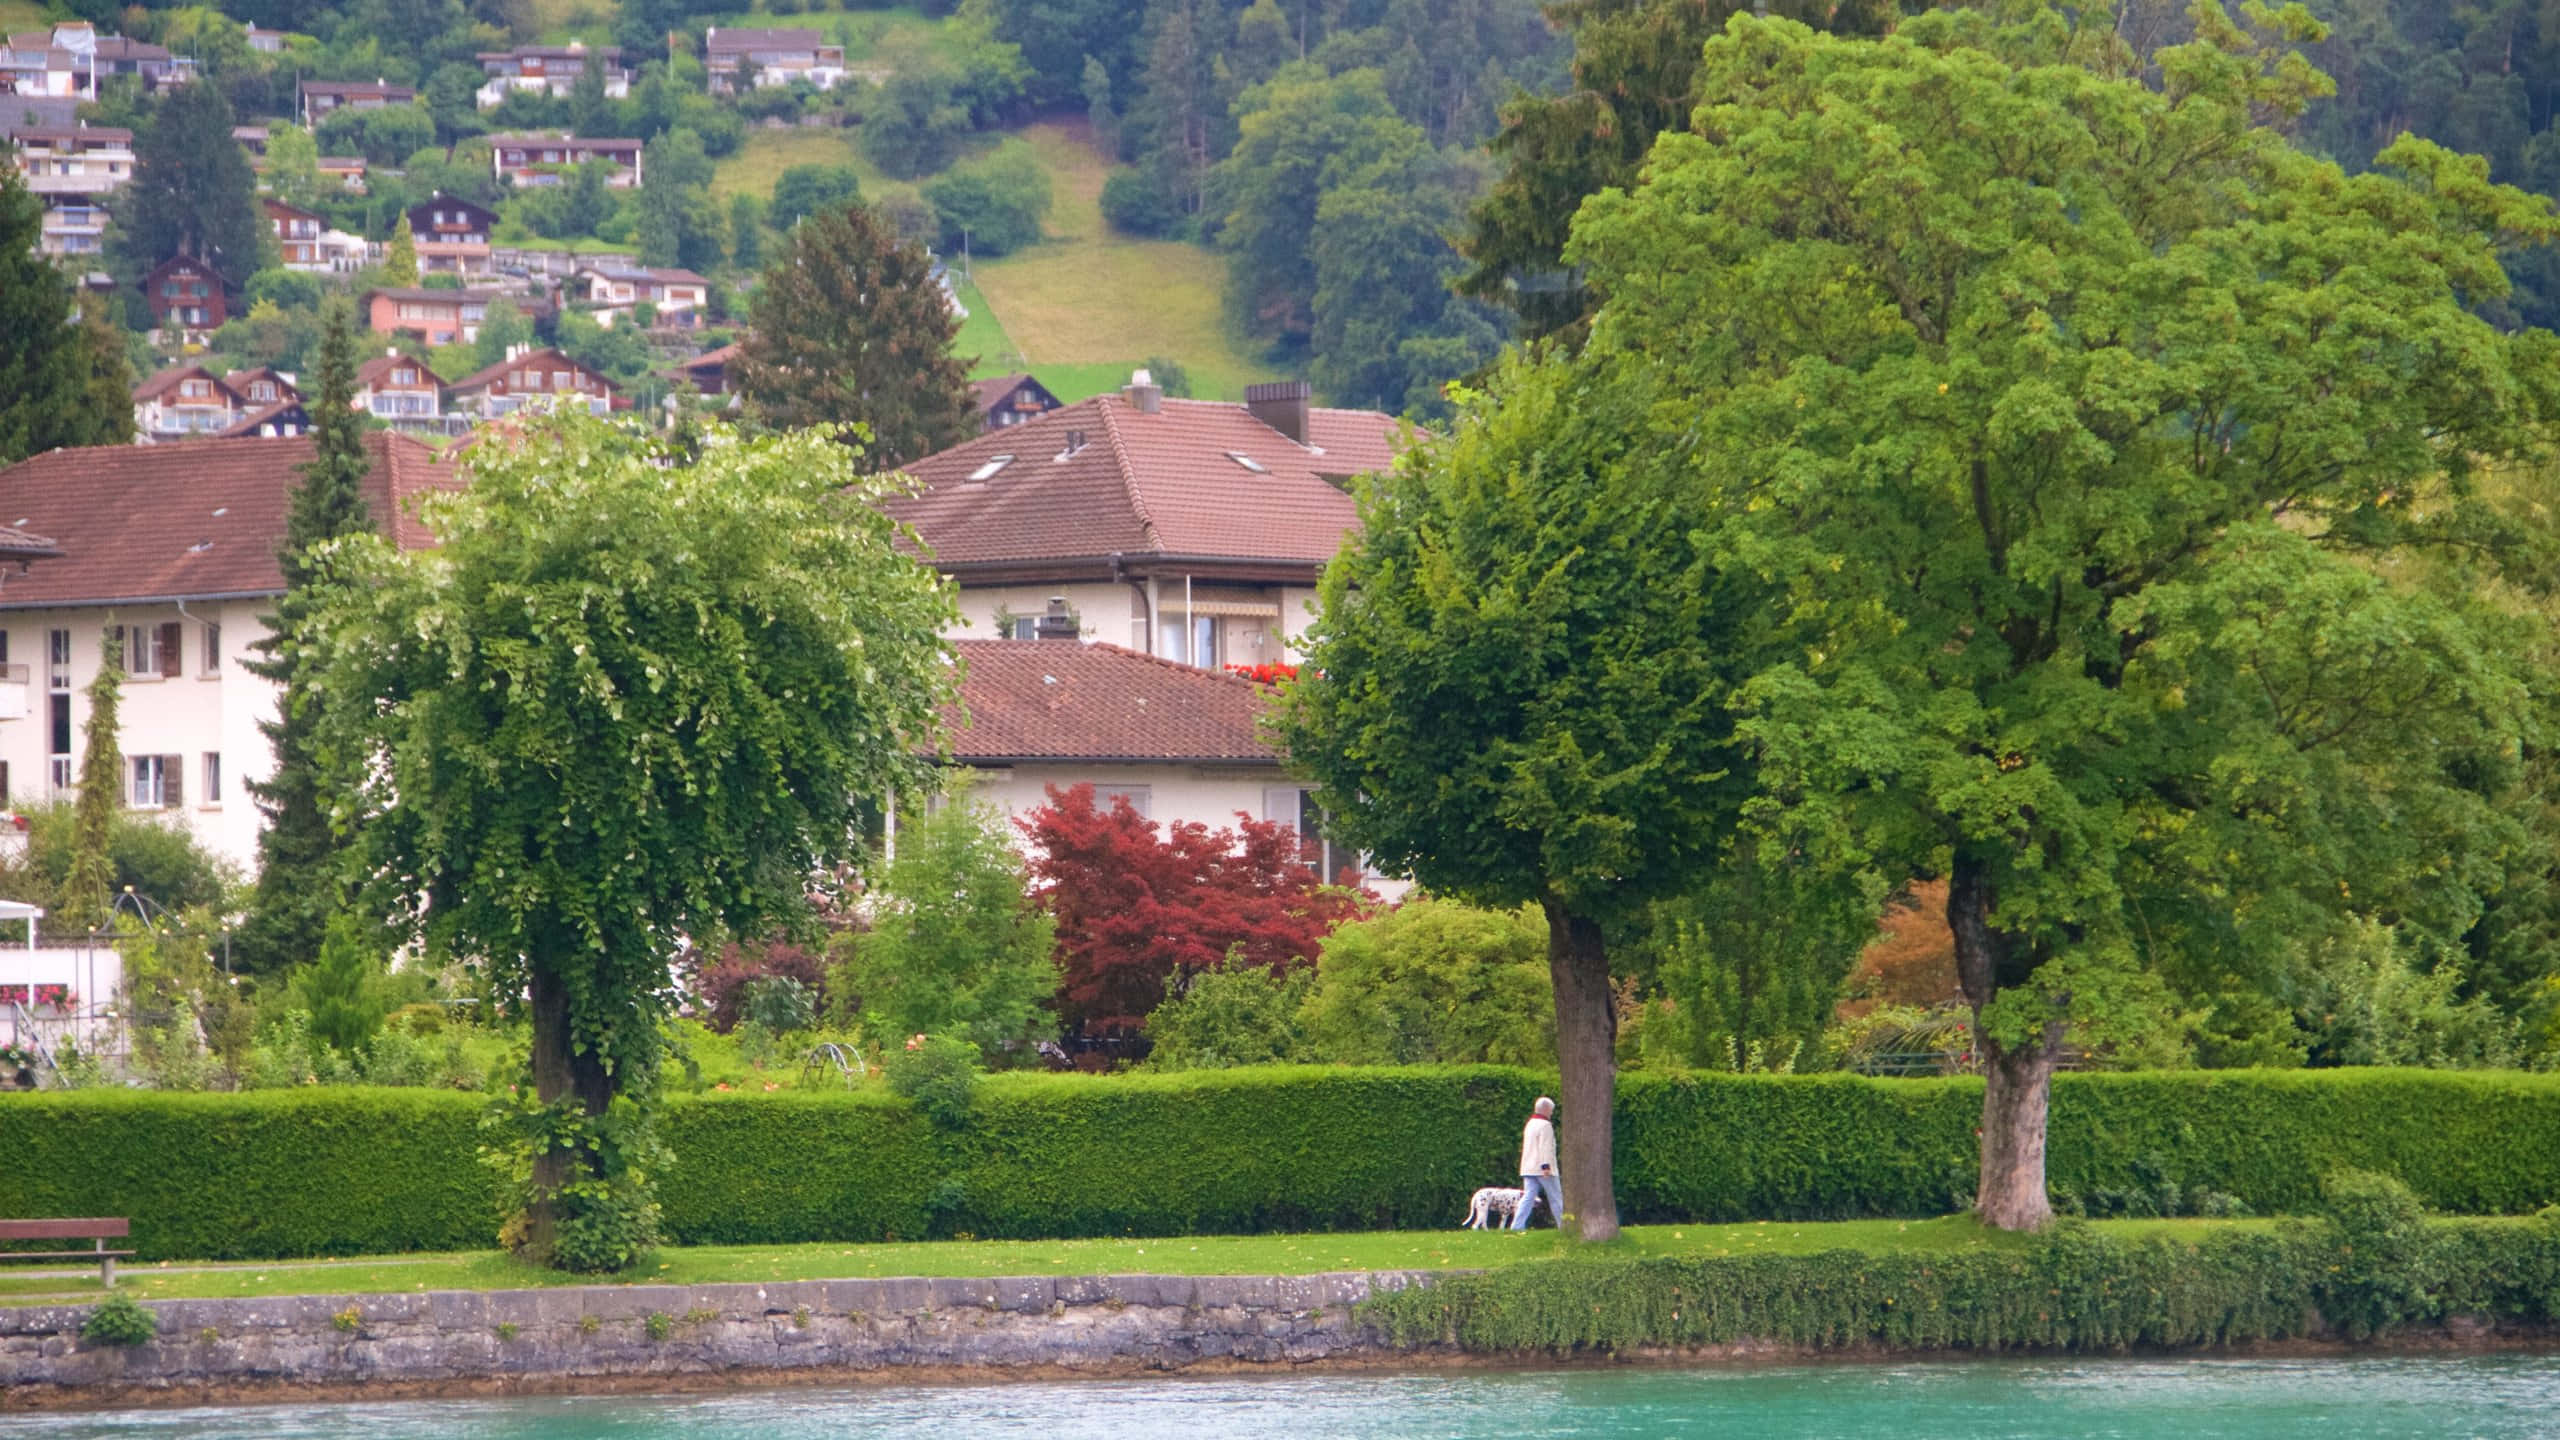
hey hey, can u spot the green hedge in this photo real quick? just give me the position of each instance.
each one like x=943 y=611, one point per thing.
x=2076 y=1288
x=331 y=1172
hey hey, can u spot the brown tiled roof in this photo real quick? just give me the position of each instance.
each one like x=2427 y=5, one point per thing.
x=551 y=359
x=166 y=380
x=353 y=88
x=1063 y=700
x=1162 y=484
x=727 y=40
x=992 y=390
x=198 y=518
x=377 y=371
x=18 y=544
x=421 y=293
x=239 y=381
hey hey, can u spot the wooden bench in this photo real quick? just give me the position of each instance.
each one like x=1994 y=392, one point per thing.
x=97 y=1231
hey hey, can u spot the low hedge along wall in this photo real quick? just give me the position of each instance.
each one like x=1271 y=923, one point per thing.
x=275 y=1174
x=2074 y=1289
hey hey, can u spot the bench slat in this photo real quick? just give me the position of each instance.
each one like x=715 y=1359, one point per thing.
x=94 y=1229
x=66 y=1254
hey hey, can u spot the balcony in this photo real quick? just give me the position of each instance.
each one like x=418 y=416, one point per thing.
x=97 y=182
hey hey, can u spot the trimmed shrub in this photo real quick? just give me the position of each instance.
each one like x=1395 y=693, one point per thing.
x=355 y=1171
x=2074 y=1288
x=120 y=1320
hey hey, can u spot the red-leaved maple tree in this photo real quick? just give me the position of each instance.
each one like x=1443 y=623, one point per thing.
x=1138 y=905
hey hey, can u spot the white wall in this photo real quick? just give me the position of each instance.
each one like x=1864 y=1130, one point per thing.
x=94 y=975
x=187 y=715
x=1114 y=614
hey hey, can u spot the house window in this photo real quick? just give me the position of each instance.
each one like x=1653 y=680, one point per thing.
x=151 y=649
x=1295 y=806
x=404 y=376
x=262 y=390
x=156 y=782
x=1107 y=797
x=213 y=777
x=1190 y=639
x=1023 y=627
x=212 y=653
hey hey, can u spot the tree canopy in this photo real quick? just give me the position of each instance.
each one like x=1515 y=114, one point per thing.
x=192 y=191
x=708 y=665
x=61 y=366
x=2081 y=422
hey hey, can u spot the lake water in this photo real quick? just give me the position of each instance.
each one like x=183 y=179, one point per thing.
x=2480 y=1398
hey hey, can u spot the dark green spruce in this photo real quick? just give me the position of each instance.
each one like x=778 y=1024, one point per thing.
x=298 y=884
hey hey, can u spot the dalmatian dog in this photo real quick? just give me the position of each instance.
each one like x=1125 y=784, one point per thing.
x=1492 y=1208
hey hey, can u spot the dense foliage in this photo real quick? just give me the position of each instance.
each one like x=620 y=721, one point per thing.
x=267 y=1174
x=2076 y=1289
x=62 y=367
x=1141 y=908
x=710 y=661
x=957 y=946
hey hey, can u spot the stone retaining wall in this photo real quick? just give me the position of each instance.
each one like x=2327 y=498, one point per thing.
x=446 y=1341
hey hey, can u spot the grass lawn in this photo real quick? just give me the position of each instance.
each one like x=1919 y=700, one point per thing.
x=1092 y=304
x=760 y=162
x=1178 y=1255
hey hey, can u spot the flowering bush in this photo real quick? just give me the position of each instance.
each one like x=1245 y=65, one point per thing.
x=60 y=997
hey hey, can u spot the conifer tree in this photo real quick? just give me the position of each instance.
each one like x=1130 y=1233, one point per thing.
x=192 y=191
x=53 y=374
x=400 y=261
x=88 y=892
x=298 y=886
x=850 y=325
x=342 y=988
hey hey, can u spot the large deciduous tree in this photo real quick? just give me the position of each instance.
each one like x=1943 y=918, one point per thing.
x=63 y=370
x=2080 y=421
x=1635 y=66
x=636 y=695
x=850 y=326
x=1515 y=691
x=299 y=886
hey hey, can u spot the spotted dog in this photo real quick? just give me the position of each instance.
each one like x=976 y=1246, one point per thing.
x=1492 y=1208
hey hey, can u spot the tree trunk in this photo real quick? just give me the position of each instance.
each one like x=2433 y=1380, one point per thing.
x=1587 y=1056
x=2017 y=1080
x=558 y=1070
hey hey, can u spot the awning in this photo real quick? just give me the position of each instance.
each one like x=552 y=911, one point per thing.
x=1239 y=609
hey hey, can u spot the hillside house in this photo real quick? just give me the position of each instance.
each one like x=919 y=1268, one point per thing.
x=185 y=295
x=744 y=59
x=319 y=97
x=189 y=570
x=708 y=372
x=298 y=236
x=531 y=379
x=72 y=169
x=283 y=419
x=1189 y=530
x=549 y=69
x=71 y=59
x=181 y=402
x=613 y=287
x=452 y=235
x=393 y=388
x=439 y=317
x=1009 y=400
x=346 y=170
x=534 y=160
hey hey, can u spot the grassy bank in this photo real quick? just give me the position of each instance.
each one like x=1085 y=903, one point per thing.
x=2373 y=1270
x=1185 y=1255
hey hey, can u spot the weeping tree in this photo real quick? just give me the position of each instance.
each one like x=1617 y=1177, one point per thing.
x=2081 y=421
x=636 y=696
x=1516 y=691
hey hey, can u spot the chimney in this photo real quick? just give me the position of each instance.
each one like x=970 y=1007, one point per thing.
x=1282 y=405
x=1059 y=623
x=1144 y=395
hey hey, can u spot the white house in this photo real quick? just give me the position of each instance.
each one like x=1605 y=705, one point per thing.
x=614 y=287
x=1191 y=530
x=176 y=546
x=1179 y=743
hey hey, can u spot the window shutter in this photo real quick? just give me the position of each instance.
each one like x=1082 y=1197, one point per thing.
x=173 y=787
x=169 y=650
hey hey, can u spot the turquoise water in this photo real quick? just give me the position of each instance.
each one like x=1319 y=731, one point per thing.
x=2480 y=1398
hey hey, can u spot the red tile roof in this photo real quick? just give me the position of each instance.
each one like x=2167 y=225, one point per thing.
x=1064 y=700
x=1143 y=485
x=546 y=359
x=199 y=518
x=377 y=371
x=166 y=380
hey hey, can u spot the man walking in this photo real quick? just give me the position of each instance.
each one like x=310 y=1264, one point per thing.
x=1538 y=1166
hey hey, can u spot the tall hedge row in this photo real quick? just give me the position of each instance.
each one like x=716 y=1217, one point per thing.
x=327 y=1172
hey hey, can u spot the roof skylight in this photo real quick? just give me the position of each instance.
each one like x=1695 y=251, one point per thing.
x=988 y=470
x=1248 y=462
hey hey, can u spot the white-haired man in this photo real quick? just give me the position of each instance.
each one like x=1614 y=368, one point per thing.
x=1538 y=1166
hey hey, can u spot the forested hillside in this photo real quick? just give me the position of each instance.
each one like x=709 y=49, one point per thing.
x=1384 y=185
